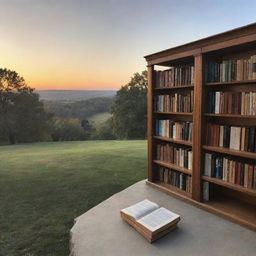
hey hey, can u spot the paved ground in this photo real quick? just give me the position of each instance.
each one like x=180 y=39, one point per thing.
x=101 y=231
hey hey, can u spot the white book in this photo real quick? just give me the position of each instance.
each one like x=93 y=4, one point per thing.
x=150 y=220
x=207 y=164
x=206 y=191
x=158 y=219
x=235 y=136
x=217 y=103
x=140 y=209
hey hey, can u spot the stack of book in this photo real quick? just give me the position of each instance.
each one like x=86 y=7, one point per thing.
x=176 y=76
x=242 y=103
x=233 y=137
x=175 y=130
x=175 y=178
x=177 y=102
x=176 y=155
x=231 y=70
x=230 y=170
x=150 y=220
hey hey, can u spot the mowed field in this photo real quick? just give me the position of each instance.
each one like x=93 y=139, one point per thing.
x=44 y=186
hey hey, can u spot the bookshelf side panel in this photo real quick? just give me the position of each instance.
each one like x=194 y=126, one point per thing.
x=150 y=124
x=197 y=129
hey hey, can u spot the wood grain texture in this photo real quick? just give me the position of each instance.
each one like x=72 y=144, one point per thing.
x=150 y=129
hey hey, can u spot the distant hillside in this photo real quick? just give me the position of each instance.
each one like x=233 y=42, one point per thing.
x=73 y=95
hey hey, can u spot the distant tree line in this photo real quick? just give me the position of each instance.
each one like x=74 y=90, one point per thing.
x=24 y=118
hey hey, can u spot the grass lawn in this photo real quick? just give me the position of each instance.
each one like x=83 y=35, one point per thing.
x=100 y=117
x=44 y=186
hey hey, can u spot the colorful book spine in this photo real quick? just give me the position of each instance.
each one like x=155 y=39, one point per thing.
x=231 y=70
x=241 y=103
x=177 y=102
x=230 y=170
x=234 y=137
x=175 y=178
x=179 y=156
x=174 y=130
x=175 y=76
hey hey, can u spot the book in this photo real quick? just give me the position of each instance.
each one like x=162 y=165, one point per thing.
x=174 y=130
x=231 y=170
x=240 y=103
x=175 y=76
x=150 y=220
x=234 y=137
x=175 y=102
x=175 y=178
x=231 y=70
x=206 y=191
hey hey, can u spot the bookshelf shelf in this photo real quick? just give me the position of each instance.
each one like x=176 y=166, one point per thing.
x=175 y=87
x=181 y=142
x=232 y=83
x=231 y=116
x=173 y=167
x=169 y=189
x=220 y=182
x=174 y=113
x=231 y=152
x=229 y=56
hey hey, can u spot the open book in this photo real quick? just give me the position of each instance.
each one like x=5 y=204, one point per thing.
x=150 y=220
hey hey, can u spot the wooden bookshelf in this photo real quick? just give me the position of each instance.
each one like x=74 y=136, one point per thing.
x=231 y=201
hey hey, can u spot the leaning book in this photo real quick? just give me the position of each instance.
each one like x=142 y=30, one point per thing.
x=150 y=220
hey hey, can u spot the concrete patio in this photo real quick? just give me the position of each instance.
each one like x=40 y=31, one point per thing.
x=101 y=231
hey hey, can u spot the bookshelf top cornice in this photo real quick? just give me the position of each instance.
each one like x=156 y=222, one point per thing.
x=234 y=37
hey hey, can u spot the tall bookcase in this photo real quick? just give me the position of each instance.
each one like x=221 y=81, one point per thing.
x=227 y=199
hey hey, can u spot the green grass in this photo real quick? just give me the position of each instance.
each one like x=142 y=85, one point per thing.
x=44 y=186
x=100 y=117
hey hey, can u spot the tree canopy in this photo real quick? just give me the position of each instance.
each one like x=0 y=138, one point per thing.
x=22 y=115
x=130 y=109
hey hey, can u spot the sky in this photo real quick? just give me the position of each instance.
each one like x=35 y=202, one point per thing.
x=100 y=44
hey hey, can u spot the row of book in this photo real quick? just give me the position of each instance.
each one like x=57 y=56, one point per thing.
x=175 y=76
x=242 y=103
x=179 y=156
x=177 y=179
x=230 y=170
x=177 y=102
x=233 y=137
x=231 y=70
x=174 y=130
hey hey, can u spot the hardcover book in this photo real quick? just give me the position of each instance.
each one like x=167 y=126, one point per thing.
x=150 y=220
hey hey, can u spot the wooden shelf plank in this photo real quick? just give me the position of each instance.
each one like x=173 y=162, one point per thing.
x=231 y=152
x=232 y=82
x=175 y=113
x=182 y=142
x=236 y=187
x=231 y=115
x=173 y=166
x=175 y=87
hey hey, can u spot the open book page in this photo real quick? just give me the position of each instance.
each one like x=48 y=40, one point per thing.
x=140 y=209
x=158 y=218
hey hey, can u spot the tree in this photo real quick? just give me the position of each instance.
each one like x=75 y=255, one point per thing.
x=22 y=115
x=68 y=129
x=129 y=109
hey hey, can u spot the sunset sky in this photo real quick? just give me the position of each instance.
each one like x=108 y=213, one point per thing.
x=99 y=44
